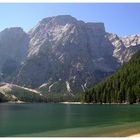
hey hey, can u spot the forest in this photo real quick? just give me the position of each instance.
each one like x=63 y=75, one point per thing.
x=121 y=87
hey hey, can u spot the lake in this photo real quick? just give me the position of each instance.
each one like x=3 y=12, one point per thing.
x=68 y=120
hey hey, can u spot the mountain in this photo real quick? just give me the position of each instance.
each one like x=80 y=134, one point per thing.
x=67 y=55
x=121 y=87
x=68 y=52
x=13 y=48
x=63 y=55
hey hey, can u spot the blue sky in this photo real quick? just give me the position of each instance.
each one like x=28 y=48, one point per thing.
x=122 y=19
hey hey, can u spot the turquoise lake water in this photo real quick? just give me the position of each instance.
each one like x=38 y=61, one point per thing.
x=68 y=120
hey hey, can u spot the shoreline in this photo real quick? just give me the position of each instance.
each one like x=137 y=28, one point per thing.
x=91 y=131
x=97 y=103
x=134 y=136
x=70 y=102
x=16 y=102
x=22 y=102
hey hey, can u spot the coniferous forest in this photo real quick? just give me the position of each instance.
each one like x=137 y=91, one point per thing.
x=121 y=87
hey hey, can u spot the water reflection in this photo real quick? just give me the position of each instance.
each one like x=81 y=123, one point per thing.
x=68 y=114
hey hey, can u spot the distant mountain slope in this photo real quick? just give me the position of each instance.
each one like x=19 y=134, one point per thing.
x=121 y=87
x=11 y=92
x=124 y=47
x=13 y=49
x=18 y=94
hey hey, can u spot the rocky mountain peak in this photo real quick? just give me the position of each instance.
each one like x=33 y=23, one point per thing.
x=124 y=47
x=13 y=29
x=12 y=33
x=59 y=20
x=131 y=40
x=54 y=22
x=62 y=29
x=63 y=20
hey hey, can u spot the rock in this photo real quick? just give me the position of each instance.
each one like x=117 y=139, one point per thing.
x=64 y=48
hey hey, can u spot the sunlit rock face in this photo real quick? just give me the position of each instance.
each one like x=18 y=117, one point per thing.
x=67 y=52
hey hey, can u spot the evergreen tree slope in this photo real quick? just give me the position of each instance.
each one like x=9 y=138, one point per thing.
x=121 y=87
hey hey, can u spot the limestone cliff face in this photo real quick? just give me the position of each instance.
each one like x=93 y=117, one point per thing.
x=67 y=53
